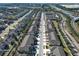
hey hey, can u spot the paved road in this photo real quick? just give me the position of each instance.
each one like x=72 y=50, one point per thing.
x=42 y=30
x=43 y=36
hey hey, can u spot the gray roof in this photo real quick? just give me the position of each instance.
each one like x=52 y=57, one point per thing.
x=57 y=51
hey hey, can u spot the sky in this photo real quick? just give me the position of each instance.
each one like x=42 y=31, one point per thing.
x=71 y=6
x=39 y=1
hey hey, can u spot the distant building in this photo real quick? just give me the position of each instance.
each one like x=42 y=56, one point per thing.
x=51 y=16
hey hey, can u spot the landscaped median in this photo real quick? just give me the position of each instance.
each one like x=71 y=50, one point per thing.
x=66 y=49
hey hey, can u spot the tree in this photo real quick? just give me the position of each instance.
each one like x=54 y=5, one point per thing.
x=12 y=42
x=6 y=46
x=15 y=37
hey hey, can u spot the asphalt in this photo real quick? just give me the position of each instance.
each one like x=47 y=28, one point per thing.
x=42 y=29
